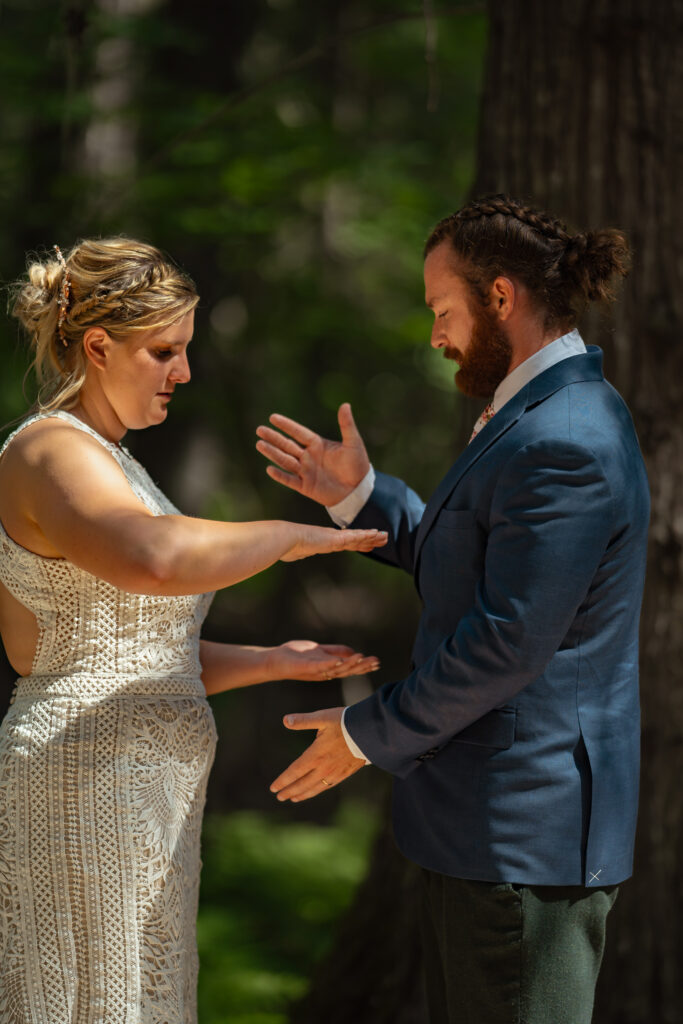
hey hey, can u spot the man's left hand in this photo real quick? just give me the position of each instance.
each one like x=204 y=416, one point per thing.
x=325 y=763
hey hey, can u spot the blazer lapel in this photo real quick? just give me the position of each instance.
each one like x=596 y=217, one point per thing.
x=490 y=433
x=568 y=371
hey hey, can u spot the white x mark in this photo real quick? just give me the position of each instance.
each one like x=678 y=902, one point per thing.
x=594 y=877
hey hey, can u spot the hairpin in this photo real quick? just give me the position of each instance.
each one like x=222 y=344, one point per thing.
x=64 y=294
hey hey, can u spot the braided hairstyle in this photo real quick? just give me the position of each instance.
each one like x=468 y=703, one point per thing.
x=499 y=236
x=119 y=284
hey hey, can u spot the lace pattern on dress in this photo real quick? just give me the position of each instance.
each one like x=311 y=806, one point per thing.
x=104 y=759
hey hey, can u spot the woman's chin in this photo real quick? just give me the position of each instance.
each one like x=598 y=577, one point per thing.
x=151 y=418
x=159 y=409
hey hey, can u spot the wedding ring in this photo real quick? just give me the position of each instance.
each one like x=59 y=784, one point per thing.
x=326 y=782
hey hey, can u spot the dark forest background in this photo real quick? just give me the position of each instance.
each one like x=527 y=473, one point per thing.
x=292 y=155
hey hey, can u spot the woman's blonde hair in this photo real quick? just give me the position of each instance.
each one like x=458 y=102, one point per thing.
x=119 y=284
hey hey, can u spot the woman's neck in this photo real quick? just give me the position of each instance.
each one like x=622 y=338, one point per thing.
x=96 y=412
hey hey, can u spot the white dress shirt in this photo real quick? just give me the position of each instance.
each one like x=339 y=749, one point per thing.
x=345 y=511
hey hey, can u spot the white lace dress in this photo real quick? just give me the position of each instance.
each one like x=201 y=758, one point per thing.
x=104 y=758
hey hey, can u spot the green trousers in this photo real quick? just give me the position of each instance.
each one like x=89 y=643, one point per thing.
x=497 y=953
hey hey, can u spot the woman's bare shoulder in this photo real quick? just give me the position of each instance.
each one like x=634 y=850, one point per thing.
x=51 y=461
x=49 y=443
x=60 y=486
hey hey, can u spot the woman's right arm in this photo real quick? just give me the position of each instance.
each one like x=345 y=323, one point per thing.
x=65 y=496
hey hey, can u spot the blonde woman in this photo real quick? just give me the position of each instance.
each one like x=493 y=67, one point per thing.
x=105 y=751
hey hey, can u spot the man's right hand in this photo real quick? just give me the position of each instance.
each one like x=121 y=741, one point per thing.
x=326 y=471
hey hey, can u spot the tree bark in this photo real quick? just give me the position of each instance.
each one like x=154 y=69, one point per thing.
x=582 y=113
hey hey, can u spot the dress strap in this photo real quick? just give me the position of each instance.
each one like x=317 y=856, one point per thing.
x=62 y=414
x=138 y=478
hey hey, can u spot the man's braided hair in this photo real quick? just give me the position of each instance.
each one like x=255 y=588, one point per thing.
x=500 y=236
x=120 y=284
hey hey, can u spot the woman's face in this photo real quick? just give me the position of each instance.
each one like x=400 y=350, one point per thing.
x=139 y=375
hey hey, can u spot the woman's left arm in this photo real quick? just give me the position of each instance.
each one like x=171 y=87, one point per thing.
x=229 y=666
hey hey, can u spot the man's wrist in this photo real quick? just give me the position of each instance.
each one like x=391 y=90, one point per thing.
x=350 y=742
x=345 y=511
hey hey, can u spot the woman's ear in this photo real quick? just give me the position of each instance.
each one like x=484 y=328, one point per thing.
x=96 y=345
x=503 y=297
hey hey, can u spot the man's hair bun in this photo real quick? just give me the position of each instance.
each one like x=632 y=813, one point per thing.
x=592 y=259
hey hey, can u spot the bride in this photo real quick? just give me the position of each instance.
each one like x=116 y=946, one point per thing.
x=106 y=748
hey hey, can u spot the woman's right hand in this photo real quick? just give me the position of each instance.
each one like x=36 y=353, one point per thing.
x=323 y=540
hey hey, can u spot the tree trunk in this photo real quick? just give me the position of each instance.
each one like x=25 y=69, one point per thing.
x=583 y=113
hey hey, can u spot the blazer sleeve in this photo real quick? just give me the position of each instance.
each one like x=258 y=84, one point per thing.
x=393 y=507
x=552 y=515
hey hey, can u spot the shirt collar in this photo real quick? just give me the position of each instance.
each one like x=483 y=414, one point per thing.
x=570 y=344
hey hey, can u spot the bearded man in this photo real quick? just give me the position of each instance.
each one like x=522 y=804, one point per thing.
x=514 y=739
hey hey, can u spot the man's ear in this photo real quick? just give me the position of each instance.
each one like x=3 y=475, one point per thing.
x=96 y=346
x=503 y=296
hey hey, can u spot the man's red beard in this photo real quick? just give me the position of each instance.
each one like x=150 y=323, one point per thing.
x=487 y=359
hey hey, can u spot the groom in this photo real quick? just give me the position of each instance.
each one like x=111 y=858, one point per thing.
x=514 y=739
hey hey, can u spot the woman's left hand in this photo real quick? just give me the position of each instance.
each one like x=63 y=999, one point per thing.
x=304 y=659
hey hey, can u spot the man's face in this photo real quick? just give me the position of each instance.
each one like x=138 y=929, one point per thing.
x=468 y=333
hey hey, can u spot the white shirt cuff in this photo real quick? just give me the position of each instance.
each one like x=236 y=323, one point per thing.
x=353 y=747
x=346 y=510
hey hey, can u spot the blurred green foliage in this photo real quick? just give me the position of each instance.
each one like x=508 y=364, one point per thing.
x=286 y=153
x=271 y=894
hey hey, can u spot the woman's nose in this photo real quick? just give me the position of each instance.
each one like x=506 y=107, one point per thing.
x=181 y=371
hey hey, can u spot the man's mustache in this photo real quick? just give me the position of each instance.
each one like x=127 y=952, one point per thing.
x=454 y=354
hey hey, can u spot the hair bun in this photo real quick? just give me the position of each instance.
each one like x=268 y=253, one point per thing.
x=46 y=276
x=35 y=302
x=591 y=259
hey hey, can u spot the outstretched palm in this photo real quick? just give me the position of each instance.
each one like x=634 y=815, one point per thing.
x=323 y=470
x=305 y=659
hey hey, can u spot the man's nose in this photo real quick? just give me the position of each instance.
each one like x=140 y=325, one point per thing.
x=438 y=338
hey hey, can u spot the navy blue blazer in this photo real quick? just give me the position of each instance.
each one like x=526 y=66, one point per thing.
x=515 y=738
